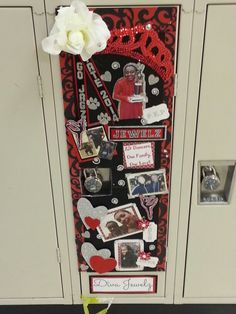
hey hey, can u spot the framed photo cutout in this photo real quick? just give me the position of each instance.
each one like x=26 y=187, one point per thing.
x=129 y=91
x=147 y=183
x=120 y=222
x=107 y=150
x=127 y=253
x=91 y=141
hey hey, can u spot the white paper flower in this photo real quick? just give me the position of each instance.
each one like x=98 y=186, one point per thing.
x=77 y=31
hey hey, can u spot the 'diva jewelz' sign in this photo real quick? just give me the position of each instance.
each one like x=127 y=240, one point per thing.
x=119 y=117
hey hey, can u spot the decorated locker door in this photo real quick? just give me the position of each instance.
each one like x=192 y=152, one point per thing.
x=119 y=116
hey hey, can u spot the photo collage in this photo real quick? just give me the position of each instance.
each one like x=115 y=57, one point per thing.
x=120 y=162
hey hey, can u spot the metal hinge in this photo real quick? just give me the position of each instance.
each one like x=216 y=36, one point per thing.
x=40 y=86
x=175 y=84
x=58 y=255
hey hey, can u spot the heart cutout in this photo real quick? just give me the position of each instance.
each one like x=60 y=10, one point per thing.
x=102 y=265
x=88 y=250
x=91 y=222
x=86 y=209
x=152 y=79
x=106 y=76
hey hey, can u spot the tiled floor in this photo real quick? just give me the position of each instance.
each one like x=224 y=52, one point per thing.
x=122 y=309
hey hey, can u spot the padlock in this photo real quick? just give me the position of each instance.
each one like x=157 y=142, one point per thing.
x=93 y=180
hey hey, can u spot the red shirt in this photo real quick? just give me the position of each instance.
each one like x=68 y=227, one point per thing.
x=127 y=110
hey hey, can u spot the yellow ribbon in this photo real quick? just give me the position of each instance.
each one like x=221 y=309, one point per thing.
x=88 y=300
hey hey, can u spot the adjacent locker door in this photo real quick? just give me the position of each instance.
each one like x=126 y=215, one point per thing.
x=211 y=253
x=29 y=267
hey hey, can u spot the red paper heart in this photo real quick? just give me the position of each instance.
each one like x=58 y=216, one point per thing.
x=102 y=265
x=91 y=222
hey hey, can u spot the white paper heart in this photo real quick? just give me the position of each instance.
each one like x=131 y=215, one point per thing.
x=86 y=209
x=152 y=79
x=88 y=250
x=86 y=234
x=106 y=76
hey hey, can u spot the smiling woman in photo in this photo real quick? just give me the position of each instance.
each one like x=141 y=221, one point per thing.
x=127 y=219
x=123 y=91
x=120 y=222
x=128 y=256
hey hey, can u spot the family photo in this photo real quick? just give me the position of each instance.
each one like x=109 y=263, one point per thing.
x=147 y=183
x=120 y=222
x=127 y=253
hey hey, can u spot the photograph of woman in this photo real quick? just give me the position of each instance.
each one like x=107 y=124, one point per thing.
x=130 y=92
x=126 y=253
x=127 y=219
x=128 y=257
x=120 y=222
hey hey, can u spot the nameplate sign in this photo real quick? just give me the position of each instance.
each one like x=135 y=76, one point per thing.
x=140 y=133
x=123 y=284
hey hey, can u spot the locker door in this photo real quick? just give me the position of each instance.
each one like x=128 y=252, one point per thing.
x=29 y=267
x=165 y=278
x=210 y=266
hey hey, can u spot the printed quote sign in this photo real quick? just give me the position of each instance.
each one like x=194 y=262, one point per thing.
x=139 y=155
x=124 y=284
